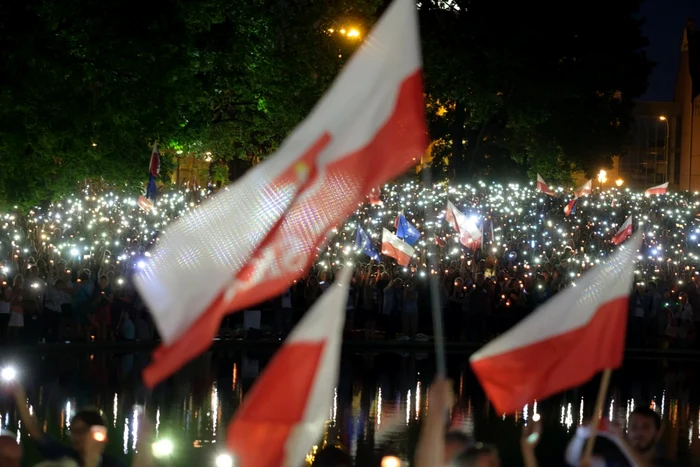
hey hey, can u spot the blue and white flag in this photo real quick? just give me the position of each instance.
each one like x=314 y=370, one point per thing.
x=364 y=243
x=406 y=231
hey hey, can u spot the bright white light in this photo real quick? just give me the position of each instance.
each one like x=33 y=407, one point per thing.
x=536 y=417
x=391 y=461
x=8 y=374
x=224 y=460
x=141 y=264
x=163 y=448
x=74 y=252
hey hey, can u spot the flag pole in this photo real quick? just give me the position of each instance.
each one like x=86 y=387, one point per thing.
x=595 y=420
x=433 y=282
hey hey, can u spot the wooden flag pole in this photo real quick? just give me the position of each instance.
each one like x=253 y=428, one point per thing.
x=595 y=420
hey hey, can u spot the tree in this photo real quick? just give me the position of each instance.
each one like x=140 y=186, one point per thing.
x=531 y=87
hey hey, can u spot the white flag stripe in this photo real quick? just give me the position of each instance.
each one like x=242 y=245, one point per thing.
x=574 y=307
x=325 y=321
x=396 y=242
x=199 y=255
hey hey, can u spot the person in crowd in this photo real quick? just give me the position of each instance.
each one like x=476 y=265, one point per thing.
x=455 y=443
x=393 y=307
x=83 y=305
x=637 y=305
x=56 y=298
x=104 y=298
x=86 y=448
x=680 y=322
x=409 y=317
x=10 y=450
x=654 y=310
x=643 y=434
x=5 y=311
x=454 y=310
x=477 y=455
x=369 y=303
x=32 y=298
x=16 y=323
x=311 y=292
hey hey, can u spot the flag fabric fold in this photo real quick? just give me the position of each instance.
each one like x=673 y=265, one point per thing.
x=469 y=234
x=254 y=238
x=406 y=231
x=284 y=413
x=543 y=187
x=584 y=189
x=396 y=248
x=564 y=342
x=364 y=243
x=624 y=232
x=657 y=190
x=570 y=207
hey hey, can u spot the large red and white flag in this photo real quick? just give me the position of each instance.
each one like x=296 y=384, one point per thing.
x=284 y=413
x=254 y=238
x=566 y=341
x=469 y=233
x=543 y=187
x=584 y=189
x=624 y=232
x=657 y=190
x=396 y=248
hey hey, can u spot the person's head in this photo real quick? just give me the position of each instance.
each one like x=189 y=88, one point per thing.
x=103 y=281
x=458 y=283
x=84 y=276
x=10 y=450
x=455 y=443
x=644 y=429
x=480 y=278
x=332 y=456
x=80 y=427
x=683 y=298
x=398 y=283
x=477 y=455
x=651 y=286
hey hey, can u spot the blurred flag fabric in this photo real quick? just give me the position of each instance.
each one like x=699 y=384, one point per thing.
x=657 y=190
x=396 y=248
x=624 y=232
x=285 y=411
x=406 y=231
x=153 y=173
x=564 y=342
x=585 y=189
x=543 y=187
x=253 y=239
x=363 y=242
x=469 y=234
x=570 y=207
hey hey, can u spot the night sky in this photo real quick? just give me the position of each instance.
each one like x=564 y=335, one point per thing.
x=665 y=20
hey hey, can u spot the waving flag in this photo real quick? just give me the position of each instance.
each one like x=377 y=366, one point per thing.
x=406 y=230
x=364 y=243
x=563 y=343
x=469 y=234
x=252 y=240
x=543 y=187
x=153 y=172
x=396 y=248
x=284 y=413
x=657 y=190
x=624 y=232
x=585 y=189
x=570 y=207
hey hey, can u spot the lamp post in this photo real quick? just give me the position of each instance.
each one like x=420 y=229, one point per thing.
x=668 y=133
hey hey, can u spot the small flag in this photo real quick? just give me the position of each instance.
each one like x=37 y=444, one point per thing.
x=469 y=234
x=585 y=189
x=285 y=411
x=406 y=230
x=250 y=242
x=570 y=207
x=440 y=242
x=363 y=242
x=543 y=187
x=657 y=190
x=153 y=172
x=624 y=232
x=396 y=248
x=564 y=342
x=574 y=451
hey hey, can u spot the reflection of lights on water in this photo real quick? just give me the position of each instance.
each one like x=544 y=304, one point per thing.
x=379 y=407
x=569 y=418
x=19 y=431
x=126 y=435
x=157 y=422
x=69 y=414
x=334 y=415
x=417 y=400
x=630 y=409
x=663 y=403
x=526 y=409
x=408 y=407
x=134 y=429
x=115 y=405
x=214 y=408
x=580 y=413
x=612 y=406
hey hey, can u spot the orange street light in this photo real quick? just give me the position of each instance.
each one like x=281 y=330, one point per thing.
x=619 y=182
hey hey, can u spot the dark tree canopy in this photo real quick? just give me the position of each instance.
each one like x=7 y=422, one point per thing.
x=534 y=87
x=87 y=86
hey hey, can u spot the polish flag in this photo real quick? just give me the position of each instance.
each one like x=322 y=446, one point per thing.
x=657 y=190
x=284 y=413
x=569 y=207
x=585 y=189
x=396 y=248
x=543 y=187
x=469 y=234
x=375 y=196
x=624 y=232
x=253 y=239
x=566 y=341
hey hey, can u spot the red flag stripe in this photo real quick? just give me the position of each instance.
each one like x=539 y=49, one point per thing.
x=515 y=379
x=401 y=136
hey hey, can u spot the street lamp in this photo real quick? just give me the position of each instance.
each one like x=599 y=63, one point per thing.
x=619 y=182
x=602 y=177
x=668 y=132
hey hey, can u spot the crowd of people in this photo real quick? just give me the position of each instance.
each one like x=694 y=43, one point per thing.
x=66 y=269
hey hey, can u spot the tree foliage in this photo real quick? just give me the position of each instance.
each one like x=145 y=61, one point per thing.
x=531 y=87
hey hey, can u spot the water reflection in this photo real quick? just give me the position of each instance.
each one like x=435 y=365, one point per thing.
x=377 y=405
